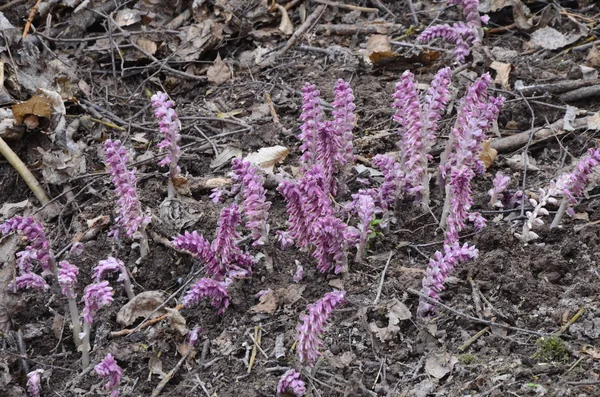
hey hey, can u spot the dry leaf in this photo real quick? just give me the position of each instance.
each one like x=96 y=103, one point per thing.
x=502 y=73
x=219 y=72
x=395 y=312
x=488 y=153
x=155 y=366
x=142 y=305
x=341 y=360
x=230 y=114
x=267 y=157
x=267 y=304
x=591 y=351
x=58 y=324
x=147 y=45
x=377 y=46
x=439 y=365
x=285 y=25
x=569 y=118
x=9 y=210
x=593 y=57
x=516 y=163
x=593 y=122
x=177 y=321
x=225 y=156
x=551 y=39
x=290 y=294
x=127 y=17
x=36 y=105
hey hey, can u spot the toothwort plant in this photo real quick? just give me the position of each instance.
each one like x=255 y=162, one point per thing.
x=131 y=217
x=313 y=324
x=95 y=297
x=108 y=368
x=112 y=265
x=209 y=288
x=290 y=382
x=67 y=279
x=501 y=183
x=169 y=125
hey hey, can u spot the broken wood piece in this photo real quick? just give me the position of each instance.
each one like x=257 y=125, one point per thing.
x=556 y=88
x=345 y=6
x=350 y=29
x=580 y=94
x=514 y=142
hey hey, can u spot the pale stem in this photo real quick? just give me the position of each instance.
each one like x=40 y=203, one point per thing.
x=128 y=286
x=85 y=347
x=143 y=241
x=446 y=209
x=75 y=320
x=559 y=214
x=425 y=190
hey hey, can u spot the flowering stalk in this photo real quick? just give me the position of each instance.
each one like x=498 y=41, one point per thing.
x=501 y=183
x=39 y=248
x=95 y=297
x=461 y=158
x=108 y=368
x=34 y=382
x=223 y=256
x=169 y=125
x=290 y=382
x=313 y=324
x=343 y=124
x=312 y=116
x=28 y=280
x=67 y=278
x=209 y=288
x=329 y=239
x=573 y=183
x=111 y=265
x=365 y=207
x=256 y=206
x=440 y=266
x=463 y=35
x=533 y=217
x=131 y=217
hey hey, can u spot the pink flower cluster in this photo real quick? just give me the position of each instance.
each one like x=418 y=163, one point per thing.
x=209 y=288
x=112 y=265
x=131 y=217
x=95 y=297
x=572 y=185
x=34 y=382
x=439 y=267
x=500 y=183
x=67 y=278
x=418 y=127
x=463 y=35
x=169 y=126
x=223 y=256
x=328 y=143
x=108 y=368
x=313 y=324
x=256 y=207
x=290 y=382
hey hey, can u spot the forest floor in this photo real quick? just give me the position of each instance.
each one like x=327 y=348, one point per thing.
x=235 y=69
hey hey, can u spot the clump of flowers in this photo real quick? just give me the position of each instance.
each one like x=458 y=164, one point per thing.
x=131 y=217
x=572 y=184
x=209 y=288
x=313 y=324
x=365 y=207
x=223 y=256
x=418 y=127
x=501 y=183
x=290 y=382
x=67 y=279
x=114 y=265
x=545 y=196
x=39 y=248
x=109 y=369
x=95 y=297
x=34 y=382
x=256 y=207
x=463 y=35
x=329 y=239
x=169 y=125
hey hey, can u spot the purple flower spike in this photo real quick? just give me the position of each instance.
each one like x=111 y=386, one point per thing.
x=501 y=183
x=194 y=335
x=313 y=325
x=344 y=120
x=209 y=288
x=95 y=297
x=365 y=208
x=299 y=274
x=256 y=206
x=573 y=184
x=169 y=126
x=131 y=217
x=200 y=248
x=471 y=11
x=34 y=382
x=39 y=250
x=330 y=244
x=108 y=368
x=67 y=278
x=312 y=115
x=394 y=179
x=112 y=265
x=29 y=281
x=440 y=267
x=290 y=382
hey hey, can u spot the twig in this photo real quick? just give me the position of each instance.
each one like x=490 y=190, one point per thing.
x=345 y=6
x=382 y=278
x=474 y=319
x=256 y=339
x=565 y=327
x=24 y=172
x=472 y=339
x=267 y=62
x=30 y=18
x=10 y=4
x=172 y=372
x=413 y=13
x=381 y=6
x=524 y=154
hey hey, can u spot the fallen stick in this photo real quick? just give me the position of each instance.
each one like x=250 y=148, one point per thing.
x=580 y=93
x=557 y=88
x=170 y=375
x=514 y=142
x=345 y=6
x=348 y=29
